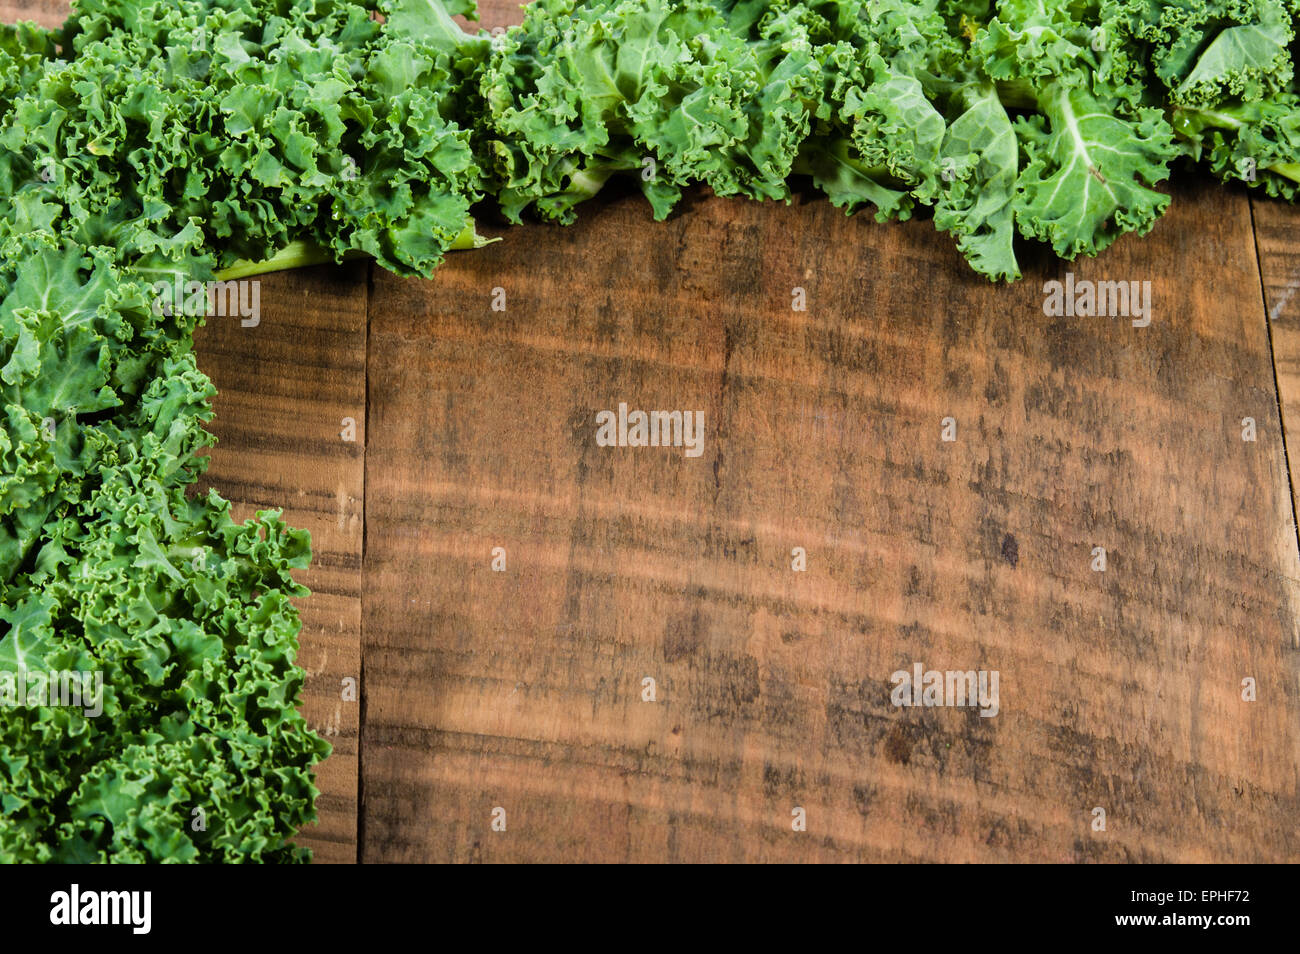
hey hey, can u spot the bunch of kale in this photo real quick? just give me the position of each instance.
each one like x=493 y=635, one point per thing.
x=1049 y=121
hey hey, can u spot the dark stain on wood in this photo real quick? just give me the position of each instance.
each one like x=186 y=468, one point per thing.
x=1010 y=550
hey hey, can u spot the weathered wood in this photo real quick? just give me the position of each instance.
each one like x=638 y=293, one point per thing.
x=1277 y=232
x=1121 y=690
x=48 y=13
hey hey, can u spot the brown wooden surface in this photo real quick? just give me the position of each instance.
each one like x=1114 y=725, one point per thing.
x=522 y=689
x=1277 y=232
x=1120 y=689
x=48 y=13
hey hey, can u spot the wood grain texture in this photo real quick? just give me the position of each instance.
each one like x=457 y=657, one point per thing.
x=1119 y=689
x=284 y=388
x=1277 y=232
x=47 y=13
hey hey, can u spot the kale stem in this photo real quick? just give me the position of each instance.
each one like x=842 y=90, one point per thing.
x=302 y=253
x=1290 y=170
x=294 y=255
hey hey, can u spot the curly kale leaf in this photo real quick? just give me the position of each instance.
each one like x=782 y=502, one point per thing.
x=187 y=616
x=80 y=342
x=197 y=134
x=578 y=93
x=1255 y=143
x=976 y=204
x=1091 y=171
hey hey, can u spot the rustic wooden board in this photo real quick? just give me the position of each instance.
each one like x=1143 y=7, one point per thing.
x=522 y=689
x=1277 y=232
x=48 y=13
